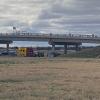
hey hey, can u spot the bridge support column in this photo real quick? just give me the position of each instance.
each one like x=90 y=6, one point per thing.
x=7 y=48
x=53 y=47
x=77 y=47
x=65 y=49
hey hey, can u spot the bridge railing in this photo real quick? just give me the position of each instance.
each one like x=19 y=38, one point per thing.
x=42 y=35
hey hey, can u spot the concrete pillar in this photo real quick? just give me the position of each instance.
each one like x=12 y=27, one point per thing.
x=7 y=47
x=53 y=47
x=65 y=49
x=77 y=47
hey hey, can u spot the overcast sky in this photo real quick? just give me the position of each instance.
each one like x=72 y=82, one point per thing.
x=51 y=16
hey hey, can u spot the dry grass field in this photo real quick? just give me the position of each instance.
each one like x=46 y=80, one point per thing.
x=49 y=79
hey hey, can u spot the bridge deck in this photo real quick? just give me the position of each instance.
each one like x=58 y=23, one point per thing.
x=87 y=38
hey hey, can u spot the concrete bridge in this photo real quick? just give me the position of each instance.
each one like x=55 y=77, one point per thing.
x=52 y=39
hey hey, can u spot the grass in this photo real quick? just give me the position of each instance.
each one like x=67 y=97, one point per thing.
x=7 y=62
x=86 y=53
x=44 y=79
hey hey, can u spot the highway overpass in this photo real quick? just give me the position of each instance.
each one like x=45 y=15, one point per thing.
x=52 y=39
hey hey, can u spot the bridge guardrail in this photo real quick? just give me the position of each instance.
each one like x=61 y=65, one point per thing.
x=87 y=36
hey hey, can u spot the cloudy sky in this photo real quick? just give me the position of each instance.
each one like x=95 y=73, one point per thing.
x=51 y=16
